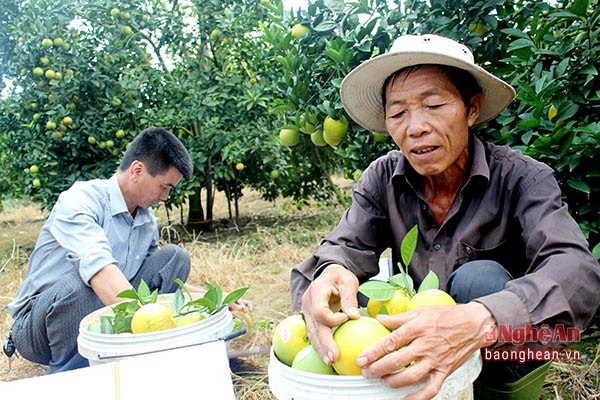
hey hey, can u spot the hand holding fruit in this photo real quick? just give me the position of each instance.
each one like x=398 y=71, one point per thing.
x=433 y=340
x=328 y=302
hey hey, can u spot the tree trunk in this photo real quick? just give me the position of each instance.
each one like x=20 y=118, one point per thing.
x=196 y=220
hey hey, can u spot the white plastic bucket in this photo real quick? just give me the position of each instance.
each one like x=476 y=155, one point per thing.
x=101 y=348
x=291 y=384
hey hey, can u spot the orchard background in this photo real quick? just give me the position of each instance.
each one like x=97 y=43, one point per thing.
x=81 y=78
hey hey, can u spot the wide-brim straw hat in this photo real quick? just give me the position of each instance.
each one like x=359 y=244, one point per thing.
x=362 y=88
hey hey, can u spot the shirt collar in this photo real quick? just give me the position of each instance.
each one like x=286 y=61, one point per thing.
x=479 y=165
x=117 y=201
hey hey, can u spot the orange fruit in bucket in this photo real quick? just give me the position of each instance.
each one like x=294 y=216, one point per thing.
x=289 y=337
x=152 y=317
x=430 y=297
x=352 y=338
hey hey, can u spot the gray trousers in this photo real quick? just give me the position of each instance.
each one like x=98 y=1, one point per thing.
x=45 y=332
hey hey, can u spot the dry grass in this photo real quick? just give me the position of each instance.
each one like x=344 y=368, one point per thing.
x=256 y=252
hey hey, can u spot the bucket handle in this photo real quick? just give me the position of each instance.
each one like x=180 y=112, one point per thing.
x=225 y=338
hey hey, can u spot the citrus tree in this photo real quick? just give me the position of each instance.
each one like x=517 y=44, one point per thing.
x=546 y=50
x=86 y=77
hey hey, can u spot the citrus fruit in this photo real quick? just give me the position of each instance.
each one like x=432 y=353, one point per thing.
x=152 y=317
x=289 y=136
x=309 y=360
x=239 y=166
x=34 y=169
x=189 y=318
x=289 y=337
x=298 y=30
x=352 y=338
x=430 y=297
x=395 y=305
x=379 y=137
x=47 y=43
x=334 y=130
x=336 y=127
x=317 y=138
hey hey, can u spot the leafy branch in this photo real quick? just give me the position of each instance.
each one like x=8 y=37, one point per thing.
x=211 y=302
x=383 y=291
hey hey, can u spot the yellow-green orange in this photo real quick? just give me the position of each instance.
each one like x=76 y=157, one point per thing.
x=430 y=297
x=289 y=337
x=188 y=319
x=317 y=138
x=309 y=360
x=298 y=30
x=334 y=130
x=151 y=318
x=352 y=338
x=379 y=137
x=289 y=136
x=395 y=305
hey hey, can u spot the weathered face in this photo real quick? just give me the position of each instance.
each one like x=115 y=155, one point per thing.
x=428 y=119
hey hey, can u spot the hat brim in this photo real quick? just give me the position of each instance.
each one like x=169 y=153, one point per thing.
x=361 y=90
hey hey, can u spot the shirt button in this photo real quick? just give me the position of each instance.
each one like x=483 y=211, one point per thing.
x=469 y=251
x=423 y=207
x=137 y=257
x=437 y=246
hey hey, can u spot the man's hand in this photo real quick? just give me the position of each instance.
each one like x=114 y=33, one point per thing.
x=431 y=342
x=329 y=301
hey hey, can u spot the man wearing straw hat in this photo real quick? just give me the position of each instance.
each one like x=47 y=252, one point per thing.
x=491 y=222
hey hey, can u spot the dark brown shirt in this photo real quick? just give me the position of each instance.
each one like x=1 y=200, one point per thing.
x=509 y=209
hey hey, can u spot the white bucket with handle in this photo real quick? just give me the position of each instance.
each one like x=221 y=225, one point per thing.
x=287 y=383
x=101 y=348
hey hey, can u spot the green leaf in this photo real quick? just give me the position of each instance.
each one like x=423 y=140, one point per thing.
x=596 y=251
x=178 y=300
x=409 y=245
x=430 y=281
x=234 y=296
x=580 y=185
x=377 y=290
x=403 y=280
x=128 y=294
x=214 y=294
x=326 y=26
x=106 y=326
